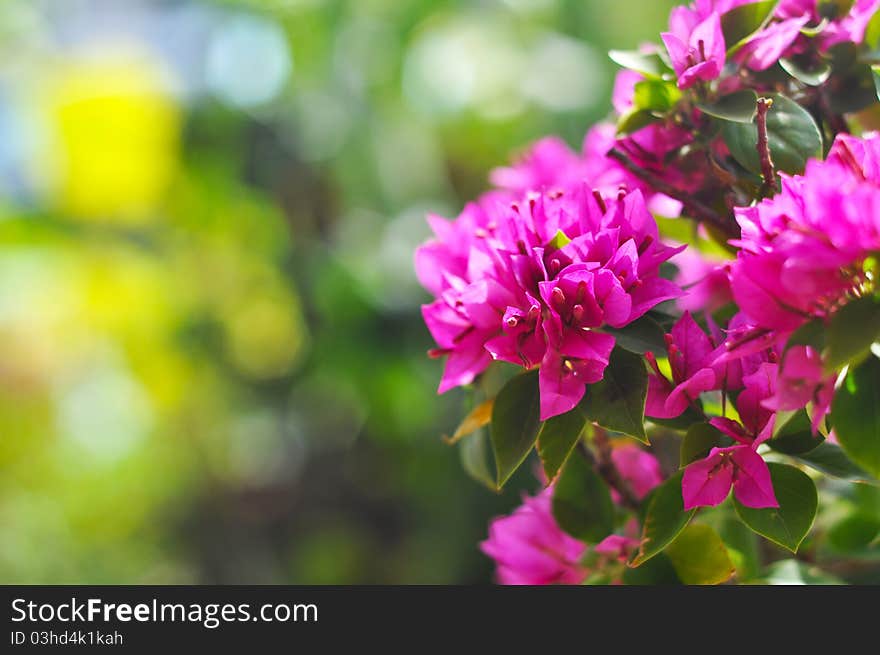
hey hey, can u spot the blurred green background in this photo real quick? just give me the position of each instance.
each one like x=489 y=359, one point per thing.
x=212 y=362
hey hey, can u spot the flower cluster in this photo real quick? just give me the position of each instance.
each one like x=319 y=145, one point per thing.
x=803 y=256
x=533 y=281
x=707 y=482
x=725 y=124
x=530 y=548
x=802 y=252
x=696 y=45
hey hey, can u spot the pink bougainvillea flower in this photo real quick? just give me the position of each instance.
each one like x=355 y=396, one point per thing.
x=758 y=288
x=705 y=281
x=836 y=26
x=695 y=45
x=617 y=547
x=530 y=548
x=756 y=419
x=746 y=346
x=461 y=322
x=802 y=251
x=691 y=358
x=637 y=467
x=573 y=359
x=802 y=255
x=782 y=36
x=534 y=281
x=802 y=381
x=549 y=163
x=767 y=46
x=649 y=147
x=708 y=481
x=852 y=26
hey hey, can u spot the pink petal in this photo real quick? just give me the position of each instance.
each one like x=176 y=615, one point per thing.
x=771 y=43
x=757 y=289
x=693 y=344
x=690 y=389
x=638 y=467
x=658 y=393
x=587 y=344
x=560 y=390
x=751 y=484
x=463 y=366
x=731 y=428
x=678 y=51
x=707 y=482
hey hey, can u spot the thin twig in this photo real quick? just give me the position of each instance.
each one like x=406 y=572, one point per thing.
x=763 y=147
x=836 y=122
x=694 y=208
x=606 y=468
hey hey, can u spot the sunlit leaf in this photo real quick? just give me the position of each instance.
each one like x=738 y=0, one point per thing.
x=557 y=438
x=699 y=556
x=664 y=519
x=855 y=415
x=582 y=503
x=515 y=424
x=788 y=524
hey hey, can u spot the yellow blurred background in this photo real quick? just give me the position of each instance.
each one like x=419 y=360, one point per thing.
x=212 y=364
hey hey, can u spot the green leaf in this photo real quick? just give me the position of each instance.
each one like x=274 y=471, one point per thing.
x=834 y=9
x=854 y=90
x=681 y=423
x=788 y=524
x=815 y=30
x=477 y=418
x=867 y=499
x=650 y=65
x=634 y=120
x=665 y=518
x=657 y=571
x=474 y=454
x=831 y=460
x=855 y=414
x=844 y=57
x=792 y=134
x=559 y=240
x=793 y=434
x=811 y=73
x=656 y=95
x=557 y=438
x=740 y=23
x=617 y=402
x=872 y=33
x=515 y=423
x=811 y=333
x=793 y=572
x=851 y=332
x=854 y=532
x=699 y=440
x=742 y=546
x=581 y=502
x=642 y=335
x=739 y=107
x=687 y=232
x=875 y=73
x=699 y=556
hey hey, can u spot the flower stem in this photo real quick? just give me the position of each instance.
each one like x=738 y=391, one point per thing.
x=694 y=208
x=605 y=467
x=763 y=146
